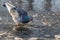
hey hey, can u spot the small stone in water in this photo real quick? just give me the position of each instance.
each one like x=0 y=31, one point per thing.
x=16 y=38
x=36 y=15
x=47 y=35
x=57 y=36
x=33 y=38
x=46 y=23
x=53 y=14
x=0 y=18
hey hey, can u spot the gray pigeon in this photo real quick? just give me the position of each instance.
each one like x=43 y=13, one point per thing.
x=19 y=15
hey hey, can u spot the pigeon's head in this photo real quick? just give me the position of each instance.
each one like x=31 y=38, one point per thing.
x=9 y=6
x=4 y=5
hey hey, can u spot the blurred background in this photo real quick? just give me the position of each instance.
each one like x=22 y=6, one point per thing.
x=36 y=5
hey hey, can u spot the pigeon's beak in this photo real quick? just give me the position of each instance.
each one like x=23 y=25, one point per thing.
x=4 y=5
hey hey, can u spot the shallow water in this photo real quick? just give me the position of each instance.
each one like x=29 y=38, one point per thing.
x=45 y=26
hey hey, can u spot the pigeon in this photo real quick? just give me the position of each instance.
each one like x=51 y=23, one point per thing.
x=19 y=16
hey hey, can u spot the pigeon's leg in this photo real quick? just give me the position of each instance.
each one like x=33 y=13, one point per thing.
x=17 y=23
x=18 y=26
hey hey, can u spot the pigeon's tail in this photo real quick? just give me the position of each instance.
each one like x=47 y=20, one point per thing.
x=30 y=18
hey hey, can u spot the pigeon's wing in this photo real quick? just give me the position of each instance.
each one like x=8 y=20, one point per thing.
x=22 y=15
x=21 y=12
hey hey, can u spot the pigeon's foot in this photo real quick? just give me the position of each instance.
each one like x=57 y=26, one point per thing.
x=19 y=28
x=19 y=24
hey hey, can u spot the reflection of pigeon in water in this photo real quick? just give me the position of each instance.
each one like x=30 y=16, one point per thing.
x=19 y=16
